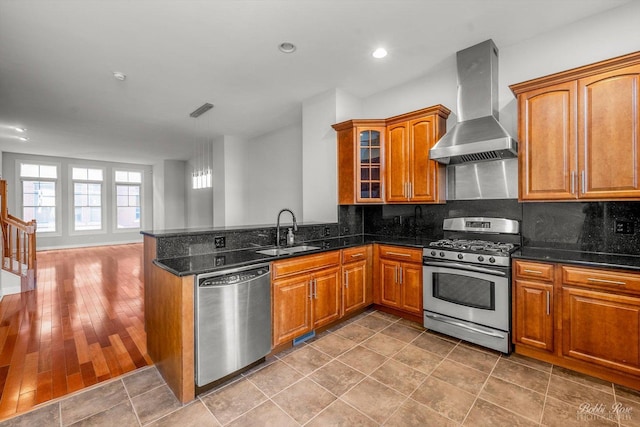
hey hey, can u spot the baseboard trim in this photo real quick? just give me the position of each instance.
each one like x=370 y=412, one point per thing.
x=87 y=245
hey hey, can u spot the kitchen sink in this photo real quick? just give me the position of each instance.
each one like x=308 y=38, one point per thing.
x=302 y=248
x=287 y=251
x=273 y=252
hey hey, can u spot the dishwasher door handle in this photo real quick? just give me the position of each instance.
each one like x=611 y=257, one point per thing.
x=207 y=285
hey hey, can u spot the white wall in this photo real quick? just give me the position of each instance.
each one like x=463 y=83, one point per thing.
x=347 y=107
x=65 y=237
x=199 y=202
x=438 y=86
x=236 y=188
x=252 y=180
x=174 y=211
x=219 y=215
x=319 y=158
x=319 y=152
x=273 y=170
x=158 y=196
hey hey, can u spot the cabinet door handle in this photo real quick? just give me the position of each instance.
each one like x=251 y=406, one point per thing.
x=310 y=288
x=610 y=282
x=401 y=274
x=395 y=274
x=357 y=255
x=548 y=303
x=410 y=189
x=398 y=254
x=532 y=271
x=574 y=176
x=346 y=279
x=315 y=288
x=583 y=182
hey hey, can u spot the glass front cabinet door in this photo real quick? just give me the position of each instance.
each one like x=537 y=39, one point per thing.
x=360 y=161
x=369 y=165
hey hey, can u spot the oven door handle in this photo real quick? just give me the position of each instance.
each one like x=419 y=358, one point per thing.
x=466 y=267
x=462 y=325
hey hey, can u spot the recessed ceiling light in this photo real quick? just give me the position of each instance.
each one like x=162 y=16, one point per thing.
x=379 y=53
x=21 y=130
x=119 y=76
x=287 y=47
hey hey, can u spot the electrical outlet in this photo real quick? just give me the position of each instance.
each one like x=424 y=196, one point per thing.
x=327 y=231
x=219 y=242
x=623 y=227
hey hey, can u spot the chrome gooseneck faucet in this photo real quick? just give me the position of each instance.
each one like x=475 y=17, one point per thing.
x=295 y=224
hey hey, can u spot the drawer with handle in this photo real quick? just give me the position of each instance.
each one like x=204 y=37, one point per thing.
x=400 y=253
x=534 y=270
x=615 y=280
x=359 y=253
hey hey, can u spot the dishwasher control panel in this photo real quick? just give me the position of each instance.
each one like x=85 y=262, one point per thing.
x=230 y=279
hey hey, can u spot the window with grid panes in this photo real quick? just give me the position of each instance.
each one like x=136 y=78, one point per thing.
x=39 y=195
x=128 y=202
x=87 y=198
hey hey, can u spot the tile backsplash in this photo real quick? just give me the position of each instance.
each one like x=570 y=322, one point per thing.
x=426 y=220
x=606 y=227
x=601 y=227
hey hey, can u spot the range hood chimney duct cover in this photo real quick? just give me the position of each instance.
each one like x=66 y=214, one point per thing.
x=478 y=136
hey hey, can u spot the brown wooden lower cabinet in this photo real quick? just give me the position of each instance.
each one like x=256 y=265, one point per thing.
x=356 y=279
x=306 y=294
x=534 y=321
x=291 y=304
x=602 y=328
x=326 y=296
x=585 y=319
x=398 y=278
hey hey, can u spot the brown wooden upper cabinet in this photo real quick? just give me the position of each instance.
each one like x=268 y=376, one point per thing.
x=579 y=133
x=387 y=160
x=410 y=176
x=360 y=168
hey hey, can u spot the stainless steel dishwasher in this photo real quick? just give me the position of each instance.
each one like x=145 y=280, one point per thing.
x=233 y=321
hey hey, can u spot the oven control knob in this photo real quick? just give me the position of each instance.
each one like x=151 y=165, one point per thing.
x=433 y=253
x=442 y=254
x=492 y=260
x=460 y=256
x=480 y=258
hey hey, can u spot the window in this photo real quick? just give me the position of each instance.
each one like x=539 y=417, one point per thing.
x=39 y=195
x=128 y=199
x=87 y=198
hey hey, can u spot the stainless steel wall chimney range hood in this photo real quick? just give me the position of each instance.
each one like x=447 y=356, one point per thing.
x=478 y=136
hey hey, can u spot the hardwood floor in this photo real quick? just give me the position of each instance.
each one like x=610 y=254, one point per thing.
x=82 y=325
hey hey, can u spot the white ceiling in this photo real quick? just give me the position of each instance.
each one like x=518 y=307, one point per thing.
x=57 y=59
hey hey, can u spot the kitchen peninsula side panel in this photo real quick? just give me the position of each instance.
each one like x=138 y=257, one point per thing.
x=169 y=320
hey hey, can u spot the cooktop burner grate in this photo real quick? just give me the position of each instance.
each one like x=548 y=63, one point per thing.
x=464 y=245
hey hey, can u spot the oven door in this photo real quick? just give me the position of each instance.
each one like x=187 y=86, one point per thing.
x=471 y=293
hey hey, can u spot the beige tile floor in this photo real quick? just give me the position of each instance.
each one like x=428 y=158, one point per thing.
x=374 y=370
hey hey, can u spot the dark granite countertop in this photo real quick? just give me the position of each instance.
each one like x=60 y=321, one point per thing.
x=585 y=259
x=205 y=263
x=210 y=230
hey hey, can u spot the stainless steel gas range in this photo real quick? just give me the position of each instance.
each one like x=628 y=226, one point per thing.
x=467 y=280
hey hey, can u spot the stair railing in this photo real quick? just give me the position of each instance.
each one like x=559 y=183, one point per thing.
x=18 y=243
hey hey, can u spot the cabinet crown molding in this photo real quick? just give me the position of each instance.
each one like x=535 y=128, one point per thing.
x=577 y=73
x=438 y=109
